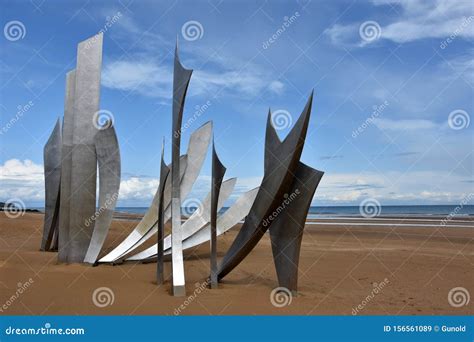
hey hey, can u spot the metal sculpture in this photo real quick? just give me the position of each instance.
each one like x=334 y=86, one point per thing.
x=226 y=221
x=108 y=157
x=190 y=167
x=52 y=184
x=281 y=163
x=82 y=165
x=73 y=225
x=147 y=222
x=194 y=223
x=66 y=164
x=286 y=231
x=164 y=172
x=181 y=78
x=218 y=171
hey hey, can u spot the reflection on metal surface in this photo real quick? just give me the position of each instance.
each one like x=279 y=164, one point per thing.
x=108 y=157
x=52 y=184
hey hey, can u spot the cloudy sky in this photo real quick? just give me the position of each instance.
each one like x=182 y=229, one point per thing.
x=393 y=84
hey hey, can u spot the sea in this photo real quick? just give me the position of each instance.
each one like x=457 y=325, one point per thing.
x=335 y=211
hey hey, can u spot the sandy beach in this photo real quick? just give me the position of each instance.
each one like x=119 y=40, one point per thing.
x=347 y=266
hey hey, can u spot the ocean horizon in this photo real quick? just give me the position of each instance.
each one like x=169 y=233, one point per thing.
x=322 y=211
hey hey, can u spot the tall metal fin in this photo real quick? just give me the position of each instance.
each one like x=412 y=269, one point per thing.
x=218 y=172
x=108 y=157
x=52 y=184
x=181 y=80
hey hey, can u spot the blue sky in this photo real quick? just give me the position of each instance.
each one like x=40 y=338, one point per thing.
x=387 y=77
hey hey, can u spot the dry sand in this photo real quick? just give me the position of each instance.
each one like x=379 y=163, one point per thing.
x=341 y=265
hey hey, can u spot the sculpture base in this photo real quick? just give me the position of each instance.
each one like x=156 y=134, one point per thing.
x=179 y=291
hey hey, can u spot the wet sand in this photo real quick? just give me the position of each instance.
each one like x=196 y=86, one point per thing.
x=347 y=266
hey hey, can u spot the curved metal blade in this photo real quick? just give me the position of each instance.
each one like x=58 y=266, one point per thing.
x=197 y=220
x=108 y=157
x=226 y=221
x=281 y=161
x=147 y=221
x=196 y=153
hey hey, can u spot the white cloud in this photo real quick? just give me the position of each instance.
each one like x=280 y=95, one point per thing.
x=392 y=187
x=21 y=179
x=417 y=20
x=24 y=180
x=404 y=125
x=149 y=79
x=144 y=77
